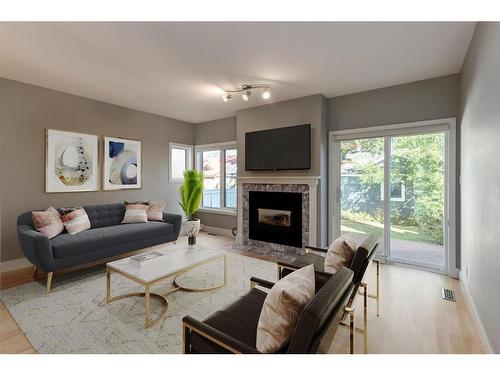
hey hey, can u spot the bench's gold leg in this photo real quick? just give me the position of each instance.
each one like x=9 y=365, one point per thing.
x=49 y=281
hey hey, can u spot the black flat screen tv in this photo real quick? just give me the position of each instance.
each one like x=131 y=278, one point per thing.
x=286 y=148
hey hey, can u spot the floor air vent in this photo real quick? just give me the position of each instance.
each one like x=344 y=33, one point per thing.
x=448 y=294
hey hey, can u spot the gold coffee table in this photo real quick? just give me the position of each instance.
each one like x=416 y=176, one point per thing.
x=173 y=263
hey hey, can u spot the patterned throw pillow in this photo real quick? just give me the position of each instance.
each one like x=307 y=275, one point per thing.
x=75 y=219
x=48 y=222
x=135 y=213
x=282 y=308
x=340 y=253
x=155 y=211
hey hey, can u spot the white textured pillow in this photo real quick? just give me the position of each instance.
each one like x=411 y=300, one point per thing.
x=340 y=253
x=135 y=213
x=155 y=211
x=282 y=308
x=75 y=219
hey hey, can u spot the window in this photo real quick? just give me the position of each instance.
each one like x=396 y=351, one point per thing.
x=398 y=192
x=180 y=160
x=218 y=164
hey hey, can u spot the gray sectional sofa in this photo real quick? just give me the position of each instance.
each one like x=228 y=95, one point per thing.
x=106 y=238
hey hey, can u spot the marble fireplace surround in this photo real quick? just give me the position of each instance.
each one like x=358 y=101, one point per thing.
x=306 y=185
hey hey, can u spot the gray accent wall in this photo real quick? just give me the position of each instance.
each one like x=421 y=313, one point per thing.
x=222 y=130
x=306 y=110
x=480 y=144
x=25 y=112
x=415 y=101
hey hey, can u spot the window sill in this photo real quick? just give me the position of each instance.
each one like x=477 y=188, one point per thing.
x=219 y=211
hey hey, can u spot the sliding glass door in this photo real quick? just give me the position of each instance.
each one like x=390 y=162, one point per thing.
x=361 y=177
x=417 y=173
x=394 y=186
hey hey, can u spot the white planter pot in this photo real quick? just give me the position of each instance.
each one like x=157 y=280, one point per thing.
x=192 y=227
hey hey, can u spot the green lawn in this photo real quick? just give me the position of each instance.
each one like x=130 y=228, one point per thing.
x=397 y=232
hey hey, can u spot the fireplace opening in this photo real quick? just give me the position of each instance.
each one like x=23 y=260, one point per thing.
x=276 y=217
x=279 y=218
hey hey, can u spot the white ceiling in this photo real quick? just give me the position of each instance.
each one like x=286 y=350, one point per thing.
x=179 y=69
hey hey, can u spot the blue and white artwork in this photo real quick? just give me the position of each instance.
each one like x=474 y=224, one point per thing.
x=71 y=162
x=122 y=164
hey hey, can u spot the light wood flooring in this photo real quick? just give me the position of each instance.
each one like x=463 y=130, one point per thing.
x=413 y=319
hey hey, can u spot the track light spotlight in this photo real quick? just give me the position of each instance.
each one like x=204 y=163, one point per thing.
x=246 y=95
x=266 y=94
x=246 y=91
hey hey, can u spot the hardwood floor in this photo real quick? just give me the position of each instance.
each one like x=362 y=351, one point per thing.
x=12 y=339
x=413 y=318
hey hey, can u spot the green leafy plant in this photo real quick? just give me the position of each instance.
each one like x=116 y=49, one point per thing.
x=191 y=192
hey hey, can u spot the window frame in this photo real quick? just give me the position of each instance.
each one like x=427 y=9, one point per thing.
x=189 y=159
x=221 y=147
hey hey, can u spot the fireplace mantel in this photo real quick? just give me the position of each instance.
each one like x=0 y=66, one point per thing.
x=311 y=181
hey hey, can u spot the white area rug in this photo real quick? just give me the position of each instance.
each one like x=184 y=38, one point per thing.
x=74 y=317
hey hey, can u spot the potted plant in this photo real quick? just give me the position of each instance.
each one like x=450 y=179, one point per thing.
x=191 y=193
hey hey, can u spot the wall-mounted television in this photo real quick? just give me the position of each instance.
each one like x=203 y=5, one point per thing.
x=277 y=149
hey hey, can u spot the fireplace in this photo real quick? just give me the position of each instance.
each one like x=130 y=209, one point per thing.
x=275 y=217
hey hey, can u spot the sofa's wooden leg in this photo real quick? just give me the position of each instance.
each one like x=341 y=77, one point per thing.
x=35 y=273
x=175 y=242
x=49 y=281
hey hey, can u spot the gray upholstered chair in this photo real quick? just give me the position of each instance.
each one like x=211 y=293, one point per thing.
x=233 y=329
x=362 y=259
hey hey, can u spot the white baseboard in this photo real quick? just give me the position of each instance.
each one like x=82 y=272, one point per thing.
x=15 y=264
x=218 y=231
x=477 y=319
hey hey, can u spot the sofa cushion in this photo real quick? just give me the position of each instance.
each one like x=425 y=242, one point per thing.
x=238 y=320
x=66 y=245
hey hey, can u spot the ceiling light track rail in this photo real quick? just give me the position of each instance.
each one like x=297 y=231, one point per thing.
x=246 y=91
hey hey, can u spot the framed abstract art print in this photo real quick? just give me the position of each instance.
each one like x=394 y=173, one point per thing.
x=122 y=164
x=71 y=162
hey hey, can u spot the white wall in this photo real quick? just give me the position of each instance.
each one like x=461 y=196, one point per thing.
x=480 y=165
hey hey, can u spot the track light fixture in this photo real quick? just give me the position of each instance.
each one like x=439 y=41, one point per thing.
x=246 y=91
